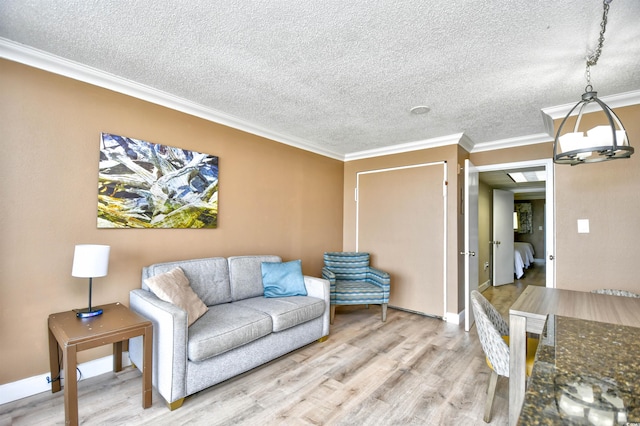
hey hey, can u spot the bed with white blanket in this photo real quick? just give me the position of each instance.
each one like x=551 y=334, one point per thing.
x=523 y=257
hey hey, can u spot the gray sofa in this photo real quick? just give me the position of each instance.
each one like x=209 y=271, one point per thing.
x=241 y=329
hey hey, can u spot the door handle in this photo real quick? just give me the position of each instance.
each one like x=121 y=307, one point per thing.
x=551 y=257
x=471 y=253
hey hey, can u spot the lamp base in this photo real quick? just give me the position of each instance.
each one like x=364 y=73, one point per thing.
x=87 y=313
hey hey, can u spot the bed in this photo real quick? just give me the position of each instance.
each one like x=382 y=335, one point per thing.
x=523 y=257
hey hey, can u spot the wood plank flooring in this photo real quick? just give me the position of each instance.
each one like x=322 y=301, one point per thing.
x=411 y=370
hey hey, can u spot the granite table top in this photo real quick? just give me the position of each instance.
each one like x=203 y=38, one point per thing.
x=585 y=373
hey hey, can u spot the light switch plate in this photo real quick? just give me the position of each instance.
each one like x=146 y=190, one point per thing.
x=583 y=226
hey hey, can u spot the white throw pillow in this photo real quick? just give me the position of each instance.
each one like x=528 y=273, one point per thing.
x=174 y=287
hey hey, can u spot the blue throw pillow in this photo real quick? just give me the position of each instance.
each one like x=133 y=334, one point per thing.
x=282 y=279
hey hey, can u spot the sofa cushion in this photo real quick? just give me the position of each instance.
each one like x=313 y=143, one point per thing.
x=209 y=278
x=245 y=275
x=286 y=312
x=173 y=287
x=283 y=279
x=225 y=327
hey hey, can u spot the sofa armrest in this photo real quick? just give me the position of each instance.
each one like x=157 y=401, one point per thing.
x=170 y=335
x=328 y=274
x=319 y=287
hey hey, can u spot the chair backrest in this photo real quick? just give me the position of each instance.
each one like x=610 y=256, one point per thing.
x=348 y=266
x=612 y=292
x=491 y=327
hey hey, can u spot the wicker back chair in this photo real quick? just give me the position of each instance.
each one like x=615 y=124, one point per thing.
x=493 y=333
x=612 y=292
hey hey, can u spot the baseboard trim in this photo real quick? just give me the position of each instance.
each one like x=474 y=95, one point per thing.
x=30 y=386
x=485 y=285
x=454 y=318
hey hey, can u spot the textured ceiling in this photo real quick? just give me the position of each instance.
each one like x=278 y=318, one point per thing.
x=342 y=76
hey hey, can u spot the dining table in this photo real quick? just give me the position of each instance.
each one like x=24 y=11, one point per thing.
x=529 y=313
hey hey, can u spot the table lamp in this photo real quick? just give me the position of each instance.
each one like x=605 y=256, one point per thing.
x=90 y=261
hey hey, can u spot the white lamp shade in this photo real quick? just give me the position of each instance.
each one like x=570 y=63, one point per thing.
x=90 y=261
x=602 y=135
x=575 y=141
x=572 y=141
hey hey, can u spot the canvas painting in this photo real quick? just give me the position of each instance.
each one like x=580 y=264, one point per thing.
x=146 y=185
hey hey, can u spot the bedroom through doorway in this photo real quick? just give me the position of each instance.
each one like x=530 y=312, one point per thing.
x=530 y=217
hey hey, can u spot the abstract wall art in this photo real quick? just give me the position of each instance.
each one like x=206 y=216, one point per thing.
x=525 y=218
x=147 y=185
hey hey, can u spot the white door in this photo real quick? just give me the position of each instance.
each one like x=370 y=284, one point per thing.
x=503 y=257
x=549 y=220
x=471 y=179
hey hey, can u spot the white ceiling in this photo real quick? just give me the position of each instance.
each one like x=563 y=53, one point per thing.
x=339 y=77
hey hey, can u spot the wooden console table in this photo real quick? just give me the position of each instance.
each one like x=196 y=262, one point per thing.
x=73 y=334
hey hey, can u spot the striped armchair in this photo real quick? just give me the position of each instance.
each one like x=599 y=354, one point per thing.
x=354 y=282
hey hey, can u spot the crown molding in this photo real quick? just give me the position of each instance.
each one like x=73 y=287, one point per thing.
x=466 y=143
x=512 y=142
x=45 y=61
x=408 y=147
x=26 y=55
x=619 y=100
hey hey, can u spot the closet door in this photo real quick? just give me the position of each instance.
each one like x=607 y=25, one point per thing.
x=400 y=221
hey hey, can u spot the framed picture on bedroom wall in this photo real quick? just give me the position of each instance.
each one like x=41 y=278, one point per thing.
x=147 y=185
x=525 y=218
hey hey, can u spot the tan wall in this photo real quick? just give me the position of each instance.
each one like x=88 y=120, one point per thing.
x=447 y=153
x=485 y=231
x=608 y=194
x=511 y=155
x=273 y=199
x=536 y=238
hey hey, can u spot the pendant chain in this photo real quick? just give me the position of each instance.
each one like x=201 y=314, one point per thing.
x=593 y=59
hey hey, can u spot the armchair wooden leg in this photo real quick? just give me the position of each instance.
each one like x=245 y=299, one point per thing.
x=491 y=392
x=384 y=312
x=333 y=314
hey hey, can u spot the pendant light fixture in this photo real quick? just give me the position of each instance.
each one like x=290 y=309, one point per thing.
x=601 y=143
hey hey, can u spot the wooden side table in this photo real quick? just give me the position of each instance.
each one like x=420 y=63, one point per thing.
x=73 y=334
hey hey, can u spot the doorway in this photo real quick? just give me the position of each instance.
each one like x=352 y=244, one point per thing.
x=546 y=187
x=538 y=192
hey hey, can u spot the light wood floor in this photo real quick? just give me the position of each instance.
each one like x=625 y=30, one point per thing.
x=410 y=370
x=502 y=297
